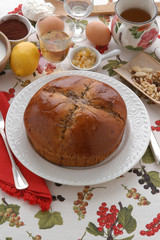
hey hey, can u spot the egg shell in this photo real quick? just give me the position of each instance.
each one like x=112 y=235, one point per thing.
x=50 y=23
x=98 y=33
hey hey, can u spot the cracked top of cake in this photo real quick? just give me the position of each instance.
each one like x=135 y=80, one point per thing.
x=75 y=121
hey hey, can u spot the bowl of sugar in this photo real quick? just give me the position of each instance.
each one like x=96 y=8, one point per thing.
x=5 y=51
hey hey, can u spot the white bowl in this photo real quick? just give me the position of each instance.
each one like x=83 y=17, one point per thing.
x=7 y=46
x=99 y=57
x=20 y=18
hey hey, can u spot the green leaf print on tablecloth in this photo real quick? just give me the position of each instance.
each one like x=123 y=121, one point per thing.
x=113 y=64
x=48 y=219
x=148 y=156
x=10 y=213
x=154 y=178
x=125 y=218
x=92 y=229
x=105 y=19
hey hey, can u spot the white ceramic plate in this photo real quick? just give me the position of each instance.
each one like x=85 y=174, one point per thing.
x=130 y=151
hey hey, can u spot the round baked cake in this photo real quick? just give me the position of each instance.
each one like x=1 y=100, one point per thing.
x=75 y=121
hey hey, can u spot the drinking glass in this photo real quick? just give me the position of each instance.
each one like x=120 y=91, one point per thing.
x=79 y=9
x=55 y=38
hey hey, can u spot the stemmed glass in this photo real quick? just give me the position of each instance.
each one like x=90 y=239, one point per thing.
x=79 y=9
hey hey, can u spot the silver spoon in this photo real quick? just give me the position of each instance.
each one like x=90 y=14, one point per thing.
x=19 y=180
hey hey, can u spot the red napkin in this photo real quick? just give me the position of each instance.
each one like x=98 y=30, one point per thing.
x=37 y=192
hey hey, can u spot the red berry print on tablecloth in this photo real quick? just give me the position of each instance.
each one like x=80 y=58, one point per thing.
x=132 y=193
x=10 y=213
x=102 y=49
x=152 y=228
x=157 y=127
x=37 y=237
x=105 y=19
x=9 y=94
x=17 y=10
x=45 y=66
x=113 y=221
x=40 y=52
x=81 y=203
x=108 y=219
x=50 y=68
x=40 y=69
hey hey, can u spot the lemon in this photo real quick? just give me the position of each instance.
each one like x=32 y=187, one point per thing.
x=24 y=59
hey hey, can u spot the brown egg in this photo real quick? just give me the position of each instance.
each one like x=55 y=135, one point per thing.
x=98 y=33
x=50 y=23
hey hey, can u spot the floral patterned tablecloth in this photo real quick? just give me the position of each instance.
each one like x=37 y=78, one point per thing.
x=123 y=209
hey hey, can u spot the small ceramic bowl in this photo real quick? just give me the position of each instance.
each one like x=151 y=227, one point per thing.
x=22 y=19
x=6 y=49
x=99 y=57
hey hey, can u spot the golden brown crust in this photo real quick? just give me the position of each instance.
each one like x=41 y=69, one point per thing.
x=75 y=121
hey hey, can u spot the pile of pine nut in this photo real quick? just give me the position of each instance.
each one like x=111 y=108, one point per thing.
x=148 y=80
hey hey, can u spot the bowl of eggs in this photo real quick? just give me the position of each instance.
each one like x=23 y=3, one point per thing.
x=88 y=58
x=5 y=51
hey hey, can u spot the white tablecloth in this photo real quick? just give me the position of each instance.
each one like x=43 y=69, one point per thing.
x=69 y=225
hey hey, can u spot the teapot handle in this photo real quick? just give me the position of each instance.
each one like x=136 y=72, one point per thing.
x=110 y=54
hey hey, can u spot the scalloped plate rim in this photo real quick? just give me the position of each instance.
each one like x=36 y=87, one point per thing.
x=74 y=176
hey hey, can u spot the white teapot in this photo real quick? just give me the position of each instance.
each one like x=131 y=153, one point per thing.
x=135 y=31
